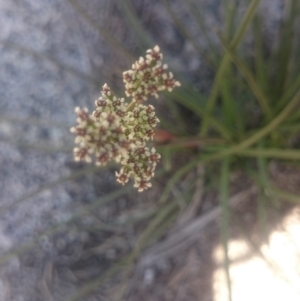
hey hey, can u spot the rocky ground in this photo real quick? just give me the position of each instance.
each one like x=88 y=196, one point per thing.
x=53 y=58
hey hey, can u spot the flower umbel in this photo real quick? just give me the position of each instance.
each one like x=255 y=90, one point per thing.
x=101 y=133
x=148 y=76
x=140 y=165
x=119 y=131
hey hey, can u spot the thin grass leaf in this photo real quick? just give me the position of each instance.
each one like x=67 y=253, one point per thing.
x=89 y=287
x=262 y=201
x=231 y=113
x=291 y=128
x=204 y=30
x=239 y=148
x=185 y=143
x=230 y=9
x=285 y=48
x=135 y=218
x=259 y=57
x=161 y=229
x=247 y=18
x=290 y=92
x=285 y=195
x=158 y=225
x=45 y=148
x=145 y=40
x=245 y=22
x=166 y=158
x=51 y=185
x=114 y=43
x=154 y=225
x=271 y=126
x=242 y=147
x=186 y=34
x=175 y=178
x=234 y=149
x=294 y=66
x=192 y=104
x=54 y=229
x=180 y=127
x=257 y=91
x=34 y=122
x=285 y=154
x=225 y=217
x=52 y=60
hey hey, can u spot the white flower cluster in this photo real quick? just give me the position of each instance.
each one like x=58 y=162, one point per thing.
x=140 y=124
x=101 y=133
x=120 y=132
x=140 y=165
x=148 y=76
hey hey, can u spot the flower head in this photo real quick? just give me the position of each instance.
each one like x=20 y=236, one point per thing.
x=120 y=132
x=140 y=165
x=148 y=76
x=101 y=133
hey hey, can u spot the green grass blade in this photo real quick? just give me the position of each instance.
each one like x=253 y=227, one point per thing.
x=288 y=196
x=52 y=230
x=162 y=220
x=255 y=138
x=89 y=287
x=231 y=112
x=144 y=37
x=45 y=148
x=271 y=126
x=285 y=47
x=262 y=201
x=166 y=158
x=225 y=216
x=114 y=43
x=238 y=148
x=204 y=30
x=246 y=20
x=248 y=16
x=155 y=223
x=180 y=127
x=257 y=91
x=259 y=57
x=51 y=185
x=192 y=104
x=290 y=92
x=285 y=154
x=175 y=178
x=52 y=60
x=34 y=122
x=230 y=16
x=185 y=33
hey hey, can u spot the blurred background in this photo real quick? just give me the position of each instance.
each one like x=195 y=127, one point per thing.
x=68 y=231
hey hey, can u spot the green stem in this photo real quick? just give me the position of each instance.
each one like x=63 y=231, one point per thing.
x=225 y=63
x=131 y=105
x=293 y=198
x=264 y=131
x=262 y=200
x=262 y=99
x=234 y=149
x=224 y=196
x=191 y=142
x=288 y=154
x=255 y=137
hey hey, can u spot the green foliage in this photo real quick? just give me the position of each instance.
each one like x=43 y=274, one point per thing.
x=249 y=115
